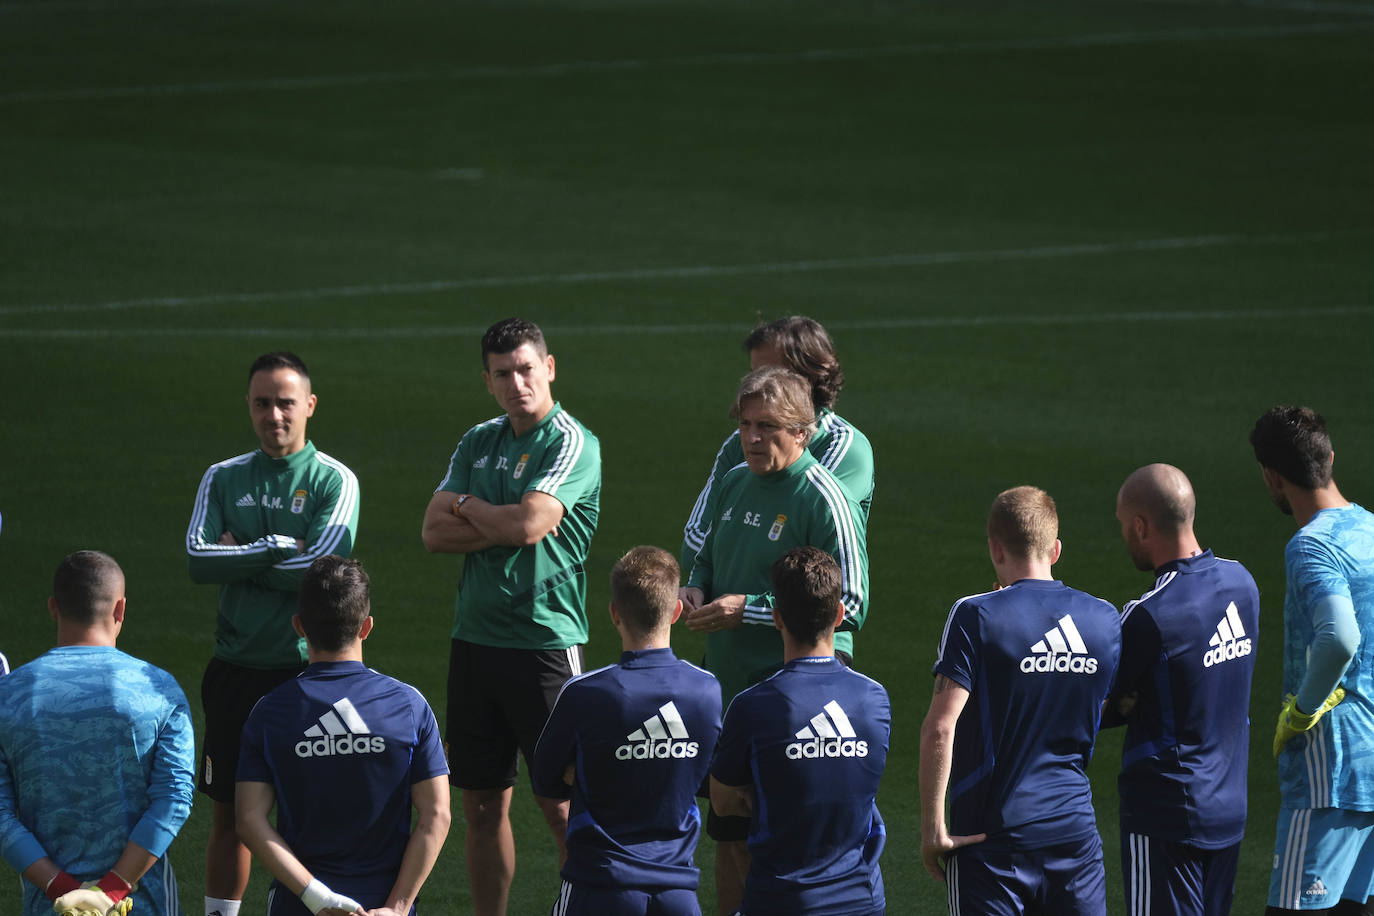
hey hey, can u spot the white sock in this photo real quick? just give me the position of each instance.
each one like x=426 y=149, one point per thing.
x=214 y=906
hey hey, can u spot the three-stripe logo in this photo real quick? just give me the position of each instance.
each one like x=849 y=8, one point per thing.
x=1062 y=650
x=1229 y=641
x=829 y=734
x=340 y=731
x=662 y=735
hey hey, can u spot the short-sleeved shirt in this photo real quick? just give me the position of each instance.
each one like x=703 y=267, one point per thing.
x=837 y=444
x=1038 y=659
x=531 y=597
x=96 y=750
x=267 y=503
x=1188 y=649
x=812 y=740
x=1332 y=766
x=640 y=734
x=341 y=746
x=757 y=518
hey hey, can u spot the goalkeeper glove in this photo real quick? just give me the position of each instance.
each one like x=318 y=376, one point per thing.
x=1293 y=721
x=317 y=896
x=107 y=897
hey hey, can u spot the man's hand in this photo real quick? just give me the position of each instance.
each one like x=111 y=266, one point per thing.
x=934 y=850
x=1293 y=721
x=691 y=598
x=1125 y=704
x=227 y=539
x=725 y=613
x=90 y=900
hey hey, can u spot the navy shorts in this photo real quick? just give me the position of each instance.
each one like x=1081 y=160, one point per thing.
x=1063 y=880
x=1164 y=878
x=580 y=900
x=498 y=702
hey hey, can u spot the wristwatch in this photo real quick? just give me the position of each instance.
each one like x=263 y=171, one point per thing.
x=458 y=503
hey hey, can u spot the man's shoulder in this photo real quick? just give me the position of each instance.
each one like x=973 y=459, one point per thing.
x=835 y=428
x=564 y=427
x=332 y=465
x=229 y=463
x=486 y=430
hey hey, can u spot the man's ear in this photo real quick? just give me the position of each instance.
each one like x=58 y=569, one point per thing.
x=839 y=615
x=677 y=611
x=1058 y=549
x=296 y=625
x=366 y=627
x=120 y=607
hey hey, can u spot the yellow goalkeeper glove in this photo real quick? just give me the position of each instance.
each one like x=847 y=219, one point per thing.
x=1293 y=722
x=110 y=896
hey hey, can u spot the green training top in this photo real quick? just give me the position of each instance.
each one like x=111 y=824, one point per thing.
x=531 y=597
x=837 y=444
x=266 y=504
x=754 y=520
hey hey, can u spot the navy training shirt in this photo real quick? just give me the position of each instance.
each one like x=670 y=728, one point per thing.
x=342 y=745
x=1188 y=652
x=812 y=740
x=640 y=734
x=1038 y=659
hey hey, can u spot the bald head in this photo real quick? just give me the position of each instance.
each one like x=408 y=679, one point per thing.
x=1156 y=507
x=86 y=587
x=1161 y=493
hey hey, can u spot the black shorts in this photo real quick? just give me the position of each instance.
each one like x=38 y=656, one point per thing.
x=731 y=828
x=228 y=693
x=498 y=702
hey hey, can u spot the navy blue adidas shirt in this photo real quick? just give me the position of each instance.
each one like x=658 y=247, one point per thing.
x=640 y=734
x=1188 y=650
x=812 y=740
x=342 y=745
x=1037 y=658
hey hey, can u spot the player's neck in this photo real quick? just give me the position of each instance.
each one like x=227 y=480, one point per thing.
x=635 y=642
x=1183 y=548
x=525 y=422
x=73 y=635
x=1307 y=503
x=822 y=648
x=353 y=653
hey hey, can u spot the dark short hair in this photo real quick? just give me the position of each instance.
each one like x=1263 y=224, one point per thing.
x=807 y=351
x=1293 y=441
x=85 y=585
x=1024 y=521
x=644 y=588
x=278 y=359
x=806 y=592
x=509 y=335
x=335 y=599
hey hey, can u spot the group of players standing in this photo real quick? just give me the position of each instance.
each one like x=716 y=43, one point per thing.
x=777 y=577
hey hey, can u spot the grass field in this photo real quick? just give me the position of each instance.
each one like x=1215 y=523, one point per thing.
x=1053 y=241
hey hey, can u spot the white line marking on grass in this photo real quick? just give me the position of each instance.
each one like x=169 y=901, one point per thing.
x=918 y=259
x=328 y=81
x=1295 y=6
x=934 y=322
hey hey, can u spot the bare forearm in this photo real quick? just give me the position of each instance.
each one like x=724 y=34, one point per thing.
x=422 y=850
x=512 y=525
x=444 y=532
x=937 y=751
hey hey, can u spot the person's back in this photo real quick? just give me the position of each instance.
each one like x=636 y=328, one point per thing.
x=1186 y=751
x=342 y=744
x=1040 y=657
x=53 y=711
x=815 y=746
x=802 y=753
x=643 y=731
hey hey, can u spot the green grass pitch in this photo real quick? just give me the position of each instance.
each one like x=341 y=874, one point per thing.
x=1053 y=241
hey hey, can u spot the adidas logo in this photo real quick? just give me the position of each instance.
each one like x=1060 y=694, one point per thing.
x=725 y=516
x=1061 y=650
x=1228 y=642
x=1315 y=889
x=246 y=501
x=828 y=735
x=340 y=731
x=662 y=736
x=480 y=463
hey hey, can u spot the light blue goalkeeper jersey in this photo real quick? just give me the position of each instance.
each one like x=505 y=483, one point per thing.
x=1331 y=766
x=96 y=749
